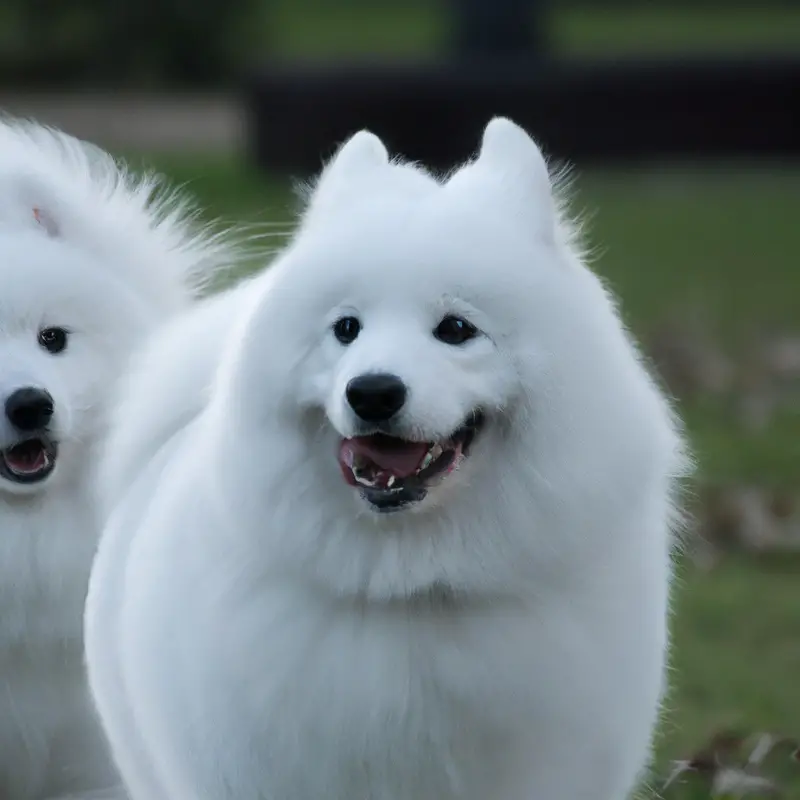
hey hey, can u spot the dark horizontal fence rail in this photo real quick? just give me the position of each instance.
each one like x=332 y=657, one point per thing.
x=722 y=5
x=585 y=111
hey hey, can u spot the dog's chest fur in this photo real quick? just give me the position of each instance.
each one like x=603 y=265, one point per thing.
x=46 y=546
x=399 y=703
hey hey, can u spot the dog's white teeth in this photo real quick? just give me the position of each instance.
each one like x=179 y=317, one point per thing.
x=360 y=473
x=371 y=483
x=433 y=453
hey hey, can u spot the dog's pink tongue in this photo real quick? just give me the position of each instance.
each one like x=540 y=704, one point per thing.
x=393 y=455
x=26 y=458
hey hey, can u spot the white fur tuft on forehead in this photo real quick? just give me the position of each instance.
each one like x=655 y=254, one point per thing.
x=143 y=232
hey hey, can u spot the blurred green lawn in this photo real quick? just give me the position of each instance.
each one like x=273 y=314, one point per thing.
x=725 y=241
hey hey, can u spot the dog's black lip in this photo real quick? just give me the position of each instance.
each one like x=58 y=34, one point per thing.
x=51 y=448
x=413 y=489
x=385 y=501
x=472 y=427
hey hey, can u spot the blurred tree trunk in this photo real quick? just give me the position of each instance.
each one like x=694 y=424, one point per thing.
x=499 y=28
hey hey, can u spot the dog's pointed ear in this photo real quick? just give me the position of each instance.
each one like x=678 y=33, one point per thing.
x=362 y=152
x=505 y=145
x=515 y=161
x=46 y=221
x=356 y=160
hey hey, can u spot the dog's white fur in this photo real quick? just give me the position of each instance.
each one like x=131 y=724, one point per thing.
x=109 y=257
x=255 y=630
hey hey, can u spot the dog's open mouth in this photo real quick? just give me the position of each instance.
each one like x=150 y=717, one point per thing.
x=393 y=472
x=28 y=461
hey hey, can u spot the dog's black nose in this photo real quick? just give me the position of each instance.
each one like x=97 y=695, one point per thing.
x=29 y=409
x=376 y=397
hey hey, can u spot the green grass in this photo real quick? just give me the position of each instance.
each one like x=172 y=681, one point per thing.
x=667 y=30
x=737 y=655
x=726 y=242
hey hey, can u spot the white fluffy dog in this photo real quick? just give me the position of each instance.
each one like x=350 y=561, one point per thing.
x=91 y=261
x=393 y=521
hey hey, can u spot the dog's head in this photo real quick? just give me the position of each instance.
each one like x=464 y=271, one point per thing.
x=444 y=382
x=66 y=328
x=92 y=259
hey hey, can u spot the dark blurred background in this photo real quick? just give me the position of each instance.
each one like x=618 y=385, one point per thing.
x=683 y=122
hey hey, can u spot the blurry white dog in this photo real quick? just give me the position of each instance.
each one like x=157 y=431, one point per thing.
x=393 y=521
x=91 y=261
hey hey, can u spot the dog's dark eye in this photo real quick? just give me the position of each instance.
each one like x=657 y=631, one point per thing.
x=455 y=330
x=346 y=329
x=54 y=340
